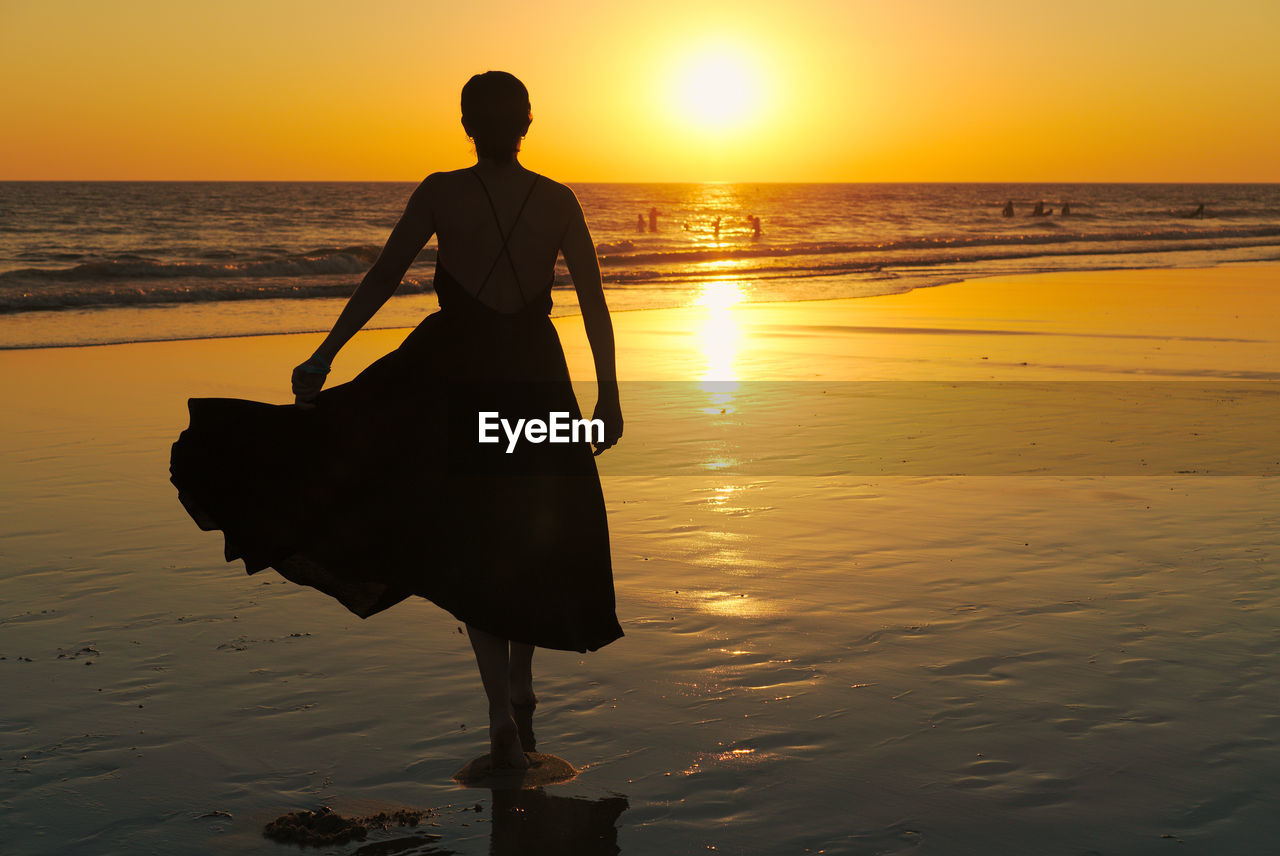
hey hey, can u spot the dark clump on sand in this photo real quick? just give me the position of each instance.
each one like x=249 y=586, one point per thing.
x=324 y=826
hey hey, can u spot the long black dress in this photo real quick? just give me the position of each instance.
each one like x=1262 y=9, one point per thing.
x=382 y=490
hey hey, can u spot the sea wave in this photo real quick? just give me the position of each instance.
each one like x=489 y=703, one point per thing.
x=132 y=266
x=331 y=275
x=816 y=234
x=133 y=294
x=354 y=260
x=943 y=242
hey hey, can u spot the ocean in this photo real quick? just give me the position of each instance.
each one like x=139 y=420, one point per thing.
x=101 y=262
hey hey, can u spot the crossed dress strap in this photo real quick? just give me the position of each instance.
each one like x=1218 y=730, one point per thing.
x=506 y=238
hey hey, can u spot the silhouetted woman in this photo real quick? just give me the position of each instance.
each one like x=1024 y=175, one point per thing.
x=380 y=488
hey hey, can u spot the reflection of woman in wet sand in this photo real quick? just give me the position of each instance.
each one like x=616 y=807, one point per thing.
x=366 y=503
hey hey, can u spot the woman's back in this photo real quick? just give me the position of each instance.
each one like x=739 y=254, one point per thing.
x=474 y=210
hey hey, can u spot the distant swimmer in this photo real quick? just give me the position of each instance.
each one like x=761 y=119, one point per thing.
x=755 y=225
x=1041 y=211
x=1008 y=209
x=1066 y=209
x=1198 y=213
x=717 y=228
x=639 y=222
x=653 y=219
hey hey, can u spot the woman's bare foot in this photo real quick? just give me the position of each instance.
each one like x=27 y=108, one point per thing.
x=504 y=742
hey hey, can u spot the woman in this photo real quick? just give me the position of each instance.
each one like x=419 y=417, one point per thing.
x=379 y=488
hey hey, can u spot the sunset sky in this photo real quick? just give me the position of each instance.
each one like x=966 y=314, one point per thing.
x=650 y=90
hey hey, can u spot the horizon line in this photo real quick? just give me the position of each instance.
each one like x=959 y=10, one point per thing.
x=576 y=181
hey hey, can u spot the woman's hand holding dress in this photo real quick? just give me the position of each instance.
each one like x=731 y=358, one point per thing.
x=407 y=239
x=308 y=380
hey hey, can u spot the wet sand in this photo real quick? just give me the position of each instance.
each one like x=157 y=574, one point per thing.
x=1058 y=651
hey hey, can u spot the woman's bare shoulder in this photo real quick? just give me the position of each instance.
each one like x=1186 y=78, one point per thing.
x=442 y=180
x=561 y=191
x=552 y=195
x=442 y=186
x=561 y=196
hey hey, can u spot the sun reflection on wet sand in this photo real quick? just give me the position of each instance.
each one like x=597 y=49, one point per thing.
x=720 y=294
x=720 y=334
x=718 y=340
x=733 y=604
x=721 y=495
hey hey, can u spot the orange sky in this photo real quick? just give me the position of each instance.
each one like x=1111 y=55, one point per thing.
x=816 y=90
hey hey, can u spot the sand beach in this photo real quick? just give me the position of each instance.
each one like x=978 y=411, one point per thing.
x=988 y=567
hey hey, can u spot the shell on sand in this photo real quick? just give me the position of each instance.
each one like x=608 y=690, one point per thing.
x=542 y=770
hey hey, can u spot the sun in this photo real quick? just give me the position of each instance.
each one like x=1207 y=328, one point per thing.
x=716 y=89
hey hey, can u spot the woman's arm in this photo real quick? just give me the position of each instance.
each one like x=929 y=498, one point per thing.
x=584 y=267
x=407 y=239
